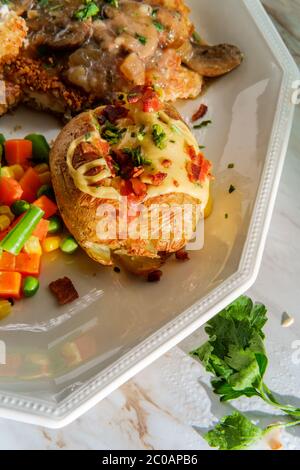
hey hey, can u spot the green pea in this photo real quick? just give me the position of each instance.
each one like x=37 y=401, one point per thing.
x=69 y=245
x=19 y=207
x=55 y=225
x=30 y=286
x=46 y=190
x=40 y=148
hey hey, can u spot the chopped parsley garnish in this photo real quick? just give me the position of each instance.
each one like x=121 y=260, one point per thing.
x=137 y=157
x=88 y=10
x=159 y=136
x=226 y=216
x=112 y=133
x=154 y=12
x=141 y=134
x=160 y=27
x=143 y=40
x=202 y=124
x=231 y=189
x=230 y=166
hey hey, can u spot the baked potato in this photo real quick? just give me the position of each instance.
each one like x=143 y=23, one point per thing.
x=130 y=181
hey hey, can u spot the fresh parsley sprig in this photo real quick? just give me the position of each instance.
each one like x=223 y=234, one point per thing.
x=235 y=355
x=236 y=432
x=88 y=10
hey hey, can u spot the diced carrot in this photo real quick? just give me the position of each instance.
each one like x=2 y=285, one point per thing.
x=41 y=229
x=30 y=183
x=28 y=264
x=10 y=191
x=48 y=206
x=10 y=285
x=7 y=262
x=18 y=152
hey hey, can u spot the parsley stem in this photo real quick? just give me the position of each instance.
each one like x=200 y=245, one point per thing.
x=268 y=397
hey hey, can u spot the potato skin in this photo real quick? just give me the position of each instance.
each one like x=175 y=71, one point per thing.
x=79 y=210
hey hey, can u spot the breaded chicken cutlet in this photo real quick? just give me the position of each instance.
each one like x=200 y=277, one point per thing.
x=83 y=53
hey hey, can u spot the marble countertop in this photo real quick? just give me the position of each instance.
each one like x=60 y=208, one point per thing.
x=163 y=407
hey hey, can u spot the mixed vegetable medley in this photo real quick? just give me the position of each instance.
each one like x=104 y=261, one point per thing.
x=29 y=221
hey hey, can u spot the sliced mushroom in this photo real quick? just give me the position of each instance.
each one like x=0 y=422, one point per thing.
x=58 y=35
x=211 y=61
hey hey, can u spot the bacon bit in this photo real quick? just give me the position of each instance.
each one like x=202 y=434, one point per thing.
x=191 y=151
x=114 y=113
x=127 y=170
x=182 y=255
x=64 y=290
x=155 y=276
x=100 y=147
x=126 y=188
x=139 y=188
x=138 y=171
x=110 y=164
x=198 y=169
x=166 y=163
x=151 y=103
x=86 y=147
x=103 y=147
x=149 y=98
x=176 y=184
x=158 y=178
x=135 y=95
x=200 y=113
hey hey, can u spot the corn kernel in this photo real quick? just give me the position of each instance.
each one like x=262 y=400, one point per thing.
x=33 y=246
x=7 y=172
x=5 y=309
x=5 y=210
x=51 y=244
x=41 y=168
x=45 y=177
x=4 y=222
x=18 y=171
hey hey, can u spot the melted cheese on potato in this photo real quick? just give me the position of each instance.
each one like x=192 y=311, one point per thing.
x=174 y=151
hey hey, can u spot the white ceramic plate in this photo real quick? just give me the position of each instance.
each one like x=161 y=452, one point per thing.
x=121 y=324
